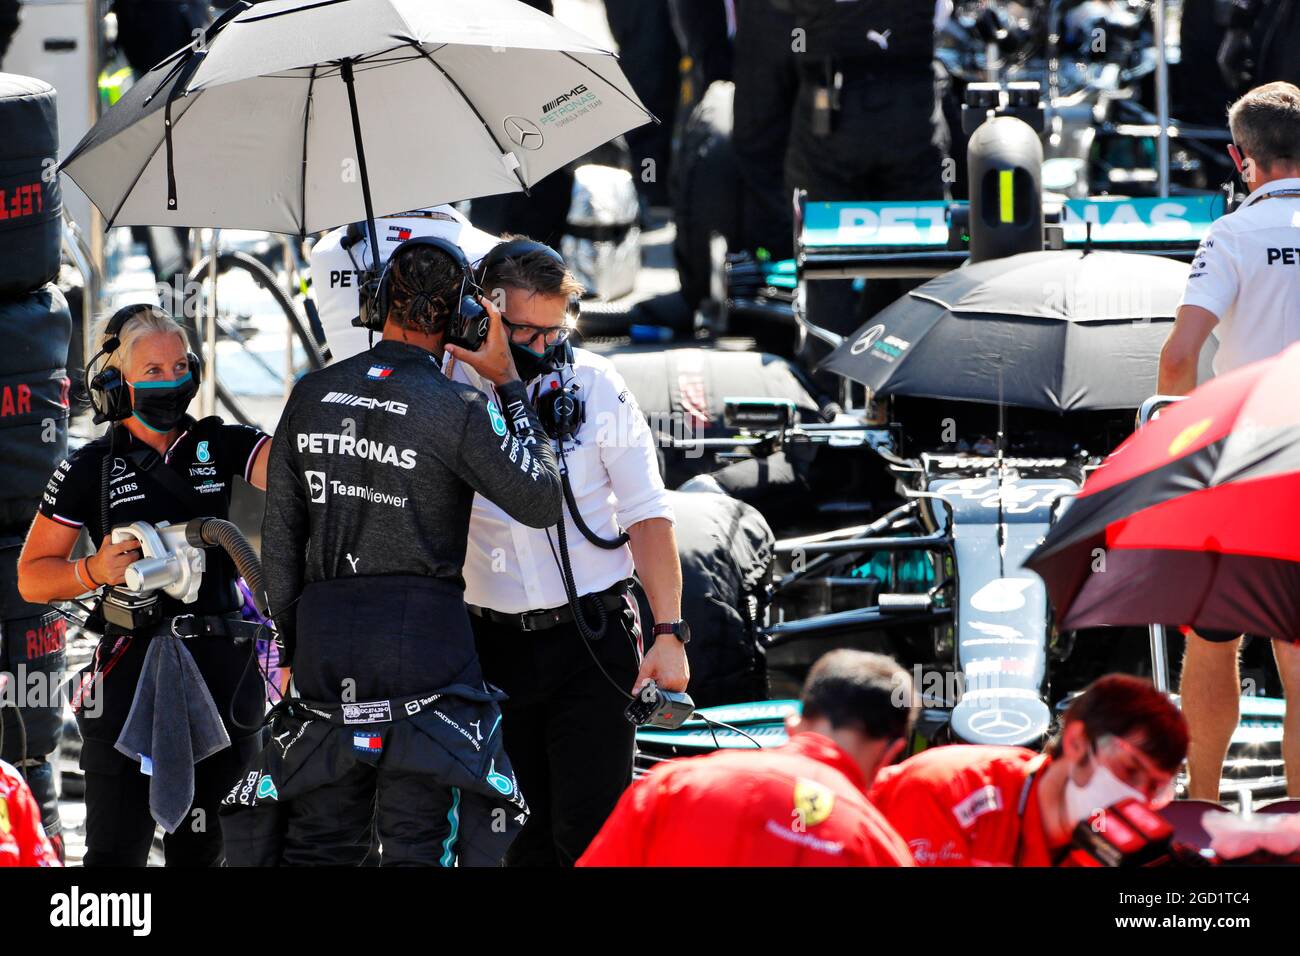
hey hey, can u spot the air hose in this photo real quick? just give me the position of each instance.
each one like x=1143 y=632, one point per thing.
x=205 y=532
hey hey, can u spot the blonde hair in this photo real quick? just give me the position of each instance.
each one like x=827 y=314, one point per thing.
x=1265 y=123
x=145 y=322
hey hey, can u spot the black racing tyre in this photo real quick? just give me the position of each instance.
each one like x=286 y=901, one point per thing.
x=34 y=388
x=31 y=201
x=706 y=190
x=266 y=279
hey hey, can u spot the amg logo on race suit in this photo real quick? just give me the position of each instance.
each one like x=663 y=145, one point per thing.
x=576 y=91
x=361 y=401
x=368 y=494
x=331 y=443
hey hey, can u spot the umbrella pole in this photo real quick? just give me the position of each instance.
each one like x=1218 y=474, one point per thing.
x=346 y=71
x=208 y=400
x=1159 y=659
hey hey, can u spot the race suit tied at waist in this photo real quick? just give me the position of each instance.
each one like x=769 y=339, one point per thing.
x=451 y=735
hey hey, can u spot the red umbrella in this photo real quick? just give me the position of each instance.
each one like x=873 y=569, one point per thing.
x=1195 y=519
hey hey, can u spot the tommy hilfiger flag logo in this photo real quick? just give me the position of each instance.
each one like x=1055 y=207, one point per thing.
x=367 y=743
x=379 y=371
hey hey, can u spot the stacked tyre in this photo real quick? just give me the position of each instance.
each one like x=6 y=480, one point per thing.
x=36 y=330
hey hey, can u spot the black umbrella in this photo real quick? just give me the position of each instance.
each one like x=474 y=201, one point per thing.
x=1057 y=330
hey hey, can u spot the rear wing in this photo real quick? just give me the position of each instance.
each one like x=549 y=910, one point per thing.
x=843 y=240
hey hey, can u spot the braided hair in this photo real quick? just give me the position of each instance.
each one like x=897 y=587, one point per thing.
x=424 y=286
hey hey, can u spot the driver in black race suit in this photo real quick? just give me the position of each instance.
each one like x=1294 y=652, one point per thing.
x=367 y=515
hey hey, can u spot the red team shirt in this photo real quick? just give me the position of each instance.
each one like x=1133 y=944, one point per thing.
x=966 y=805
x=22 y=838
x=801 y=804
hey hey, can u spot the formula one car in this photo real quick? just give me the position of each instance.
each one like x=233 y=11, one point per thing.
x=956 y=481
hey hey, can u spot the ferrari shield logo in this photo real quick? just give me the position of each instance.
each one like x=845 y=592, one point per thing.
x=813 y=801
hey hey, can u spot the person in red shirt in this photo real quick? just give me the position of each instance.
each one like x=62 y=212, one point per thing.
x=22 y=838
x=966 y=805
x=800 y=804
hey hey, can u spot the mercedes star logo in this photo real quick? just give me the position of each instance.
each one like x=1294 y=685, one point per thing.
x=523 y=132
x=866 y=339
x=1000 y=724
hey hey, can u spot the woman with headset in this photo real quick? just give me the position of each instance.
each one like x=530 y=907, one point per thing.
x=155 y=464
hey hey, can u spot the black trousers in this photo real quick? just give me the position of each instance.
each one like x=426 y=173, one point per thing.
x=338 y=824
x=767 y=83
x=564 y=729
x=888 y=142
x=119 y=827
x=648 y=54
x=411 y=816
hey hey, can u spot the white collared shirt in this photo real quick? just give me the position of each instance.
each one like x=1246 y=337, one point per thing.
x=1247 y=273
x=614 y=472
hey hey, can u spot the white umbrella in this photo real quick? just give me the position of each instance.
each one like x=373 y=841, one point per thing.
x=296 y=116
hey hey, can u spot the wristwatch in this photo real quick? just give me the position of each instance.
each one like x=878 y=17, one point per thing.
x=678 y=629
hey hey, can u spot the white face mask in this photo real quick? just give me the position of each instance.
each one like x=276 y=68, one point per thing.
x=1102 y=791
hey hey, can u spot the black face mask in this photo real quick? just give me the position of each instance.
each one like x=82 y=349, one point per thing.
x=160 y=406
x=529 y=364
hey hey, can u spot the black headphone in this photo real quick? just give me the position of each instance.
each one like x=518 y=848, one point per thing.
x=115 y=398
x=516 y=248
x=561 y=410
x=466 y=327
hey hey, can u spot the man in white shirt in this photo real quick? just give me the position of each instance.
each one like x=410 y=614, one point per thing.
x=1245 y=288
x=569 y=681
x=341 y=257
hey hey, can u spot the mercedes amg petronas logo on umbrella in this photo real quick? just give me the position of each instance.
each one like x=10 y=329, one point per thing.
x=333 y=112
x=524 y=132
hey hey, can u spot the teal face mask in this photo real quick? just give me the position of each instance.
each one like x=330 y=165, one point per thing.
x=159 y=406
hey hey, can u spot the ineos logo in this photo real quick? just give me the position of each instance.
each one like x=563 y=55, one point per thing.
x=867 y=339
x=524 y=132
x=998 y=724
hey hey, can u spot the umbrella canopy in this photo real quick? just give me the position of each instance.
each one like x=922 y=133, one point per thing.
x=287 y=109
x=1192 y=520
x=1058 y=330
